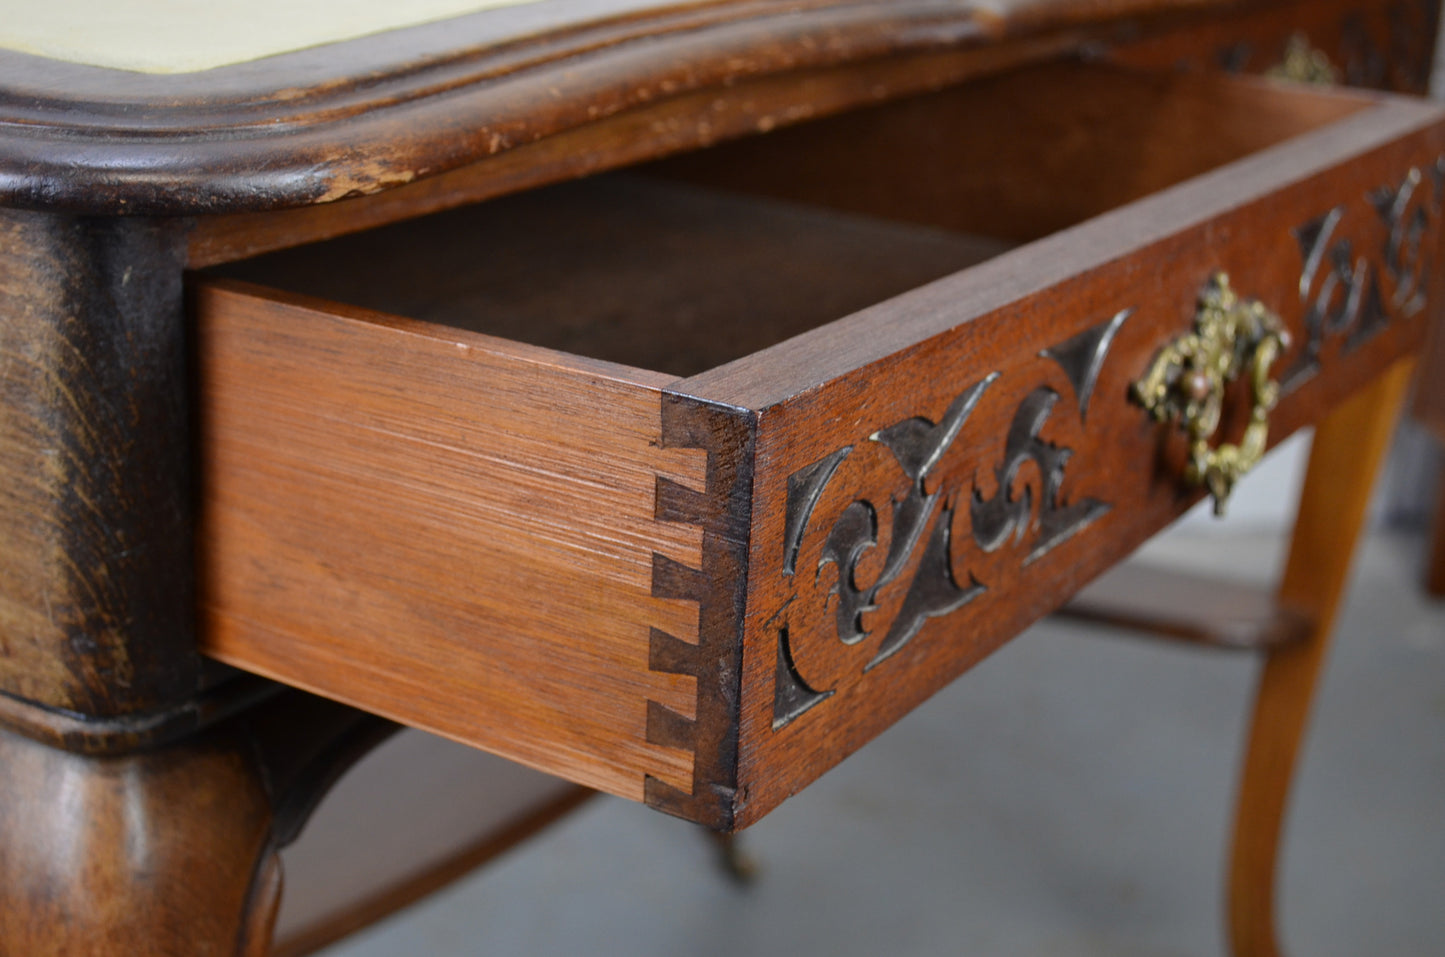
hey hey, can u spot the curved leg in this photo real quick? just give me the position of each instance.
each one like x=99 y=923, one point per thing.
x=1435 y=580
x=155 y=853
x=733 y=860
x=1348 y=448
x=171 y=851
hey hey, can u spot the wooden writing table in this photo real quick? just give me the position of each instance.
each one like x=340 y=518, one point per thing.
x=681 y=482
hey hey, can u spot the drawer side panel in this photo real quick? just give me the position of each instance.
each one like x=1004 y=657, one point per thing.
x=443 y=530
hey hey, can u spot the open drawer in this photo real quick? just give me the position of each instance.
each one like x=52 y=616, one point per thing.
x=888 y=420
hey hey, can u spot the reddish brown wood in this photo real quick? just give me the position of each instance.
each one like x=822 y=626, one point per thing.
x=344 y=456
x=627 y=270
x=1435 y=569
x=1188 y=607
x=371 y=114
x=1429 y=405
x=1386 y=45
x=917 y=354
x=154 y=854
x=1349 y=446
x=1064 y=143
x=701 y=119
x=1429 y=409
x=95 y=447
x=170 y=851
x=337 y=437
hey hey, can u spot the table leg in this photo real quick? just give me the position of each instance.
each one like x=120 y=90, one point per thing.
x=170 y=850
x=165 y=852
x=1348 y=448
x=1435 y=572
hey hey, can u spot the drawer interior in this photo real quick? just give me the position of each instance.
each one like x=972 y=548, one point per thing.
x=593 y=569
x=664 y=276
x=691 y=262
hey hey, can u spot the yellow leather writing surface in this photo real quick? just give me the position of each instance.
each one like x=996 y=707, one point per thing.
x=185 y=36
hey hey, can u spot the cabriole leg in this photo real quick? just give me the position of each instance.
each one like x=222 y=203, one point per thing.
x=1348 y=448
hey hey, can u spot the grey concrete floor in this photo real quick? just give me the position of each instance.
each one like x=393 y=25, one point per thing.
x=1070 y=796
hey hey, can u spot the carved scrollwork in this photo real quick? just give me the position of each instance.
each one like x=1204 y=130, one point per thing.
x=917 y=444
x=871 y=560
x=920 y=524
x=1350 y=294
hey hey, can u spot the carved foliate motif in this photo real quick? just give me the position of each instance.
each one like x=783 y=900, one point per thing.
x=927 y=522
x=1351 y=293
x=885 y=561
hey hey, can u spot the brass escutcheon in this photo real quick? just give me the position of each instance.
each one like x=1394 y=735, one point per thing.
x=1231 y=336
x=1304 y=63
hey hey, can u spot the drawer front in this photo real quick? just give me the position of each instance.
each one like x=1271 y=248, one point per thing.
x=704 y=592
x=914 y=510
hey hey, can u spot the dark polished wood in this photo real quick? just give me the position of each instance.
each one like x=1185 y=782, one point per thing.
x=155 y=854
x=96 y=480
x=1381 y=45
x=1026 y=506
x=170 y=851
x=711 y=683
x=376 y=113
x=645 y=132
x=1435 y=569
x=1429 y=409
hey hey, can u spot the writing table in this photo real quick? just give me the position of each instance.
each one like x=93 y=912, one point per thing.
x=668 y=396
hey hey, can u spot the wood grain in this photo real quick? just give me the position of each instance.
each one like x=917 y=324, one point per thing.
x=455 y=531
x=369 y=476
x=1349 y=445
x=1019 y=155
x=376 y=113
x=572 y=562
x=913 y=358
x=646 y=132
x=626 y=269
x=95 y=476
x=751 y=104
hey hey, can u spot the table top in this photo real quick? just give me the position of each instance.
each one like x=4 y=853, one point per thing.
x=174 y=36
x=521 y=95
x=201 y=119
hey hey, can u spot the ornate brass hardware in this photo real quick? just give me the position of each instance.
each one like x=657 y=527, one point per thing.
x=1303 y=63
x=1188 y=377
